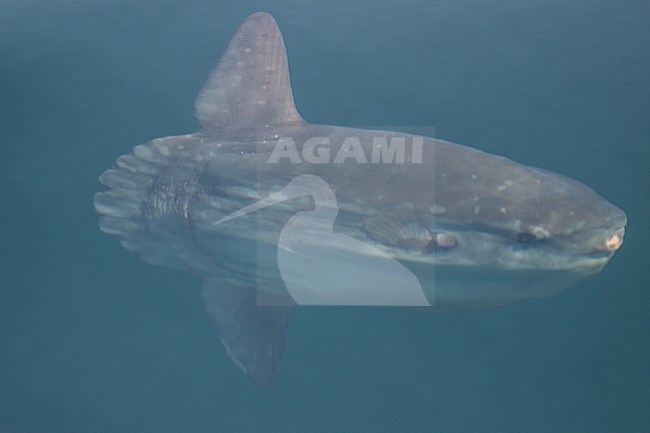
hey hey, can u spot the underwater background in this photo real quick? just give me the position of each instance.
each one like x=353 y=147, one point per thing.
x=92 y=339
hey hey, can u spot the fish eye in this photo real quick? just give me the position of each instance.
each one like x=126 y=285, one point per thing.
x=527 y=238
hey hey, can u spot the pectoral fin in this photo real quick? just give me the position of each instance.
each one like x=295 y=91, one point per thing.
x=253 y=335
x=397 y=228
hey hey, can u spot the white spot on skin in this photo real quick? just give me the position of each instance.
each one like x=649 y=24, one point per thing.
x=540 y=232
x=477 y=209
x=503 y=210
x=475 y=198
x=198 y=157
x=437 y=210
x=262 y=101
x=501 y=187
x=474 y=176
x=164 y=151
x=445 y=241
x=508 y=182
x=248 y=50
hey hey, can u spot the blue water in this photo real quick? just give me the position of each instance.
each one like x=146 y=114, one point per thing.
x=94 y=340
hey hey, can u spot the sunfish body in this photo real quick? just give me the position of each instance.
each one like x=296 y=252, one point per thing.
x=271 y=210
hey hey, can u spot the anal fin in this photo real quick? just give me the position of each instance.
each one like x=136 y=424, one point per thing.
x=253 y=335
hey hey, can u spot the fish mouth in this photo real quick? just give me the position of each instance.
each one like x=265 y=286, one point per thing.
x=614 y=242
x=601 y=252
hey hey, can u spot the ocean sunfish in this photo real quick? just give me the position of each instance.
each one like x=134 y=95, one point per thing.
x=273 y=212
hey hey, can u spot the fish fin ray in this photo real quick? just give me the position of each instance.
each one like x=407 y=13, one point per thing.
x=397 y=228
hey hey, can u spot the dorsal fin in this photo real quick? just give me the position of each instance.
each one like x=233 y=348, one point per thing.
x=249 y=94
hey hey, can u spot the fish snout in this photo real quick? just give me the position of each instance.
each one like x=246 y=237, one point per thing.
x=609 y=238
x=611 y=242
x=600 y=244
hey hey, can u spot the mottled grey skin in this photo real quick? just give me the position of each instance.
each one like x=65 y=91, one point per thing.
x=519 y=232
